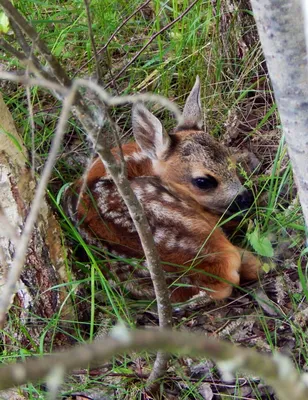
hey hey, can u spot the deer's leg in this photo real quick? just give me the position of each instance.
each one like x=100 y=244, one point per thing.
x=250 y=266
x=223 y=262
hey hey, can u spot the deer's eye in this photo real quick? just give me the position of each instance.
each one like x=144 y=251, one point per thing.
x=205 y=182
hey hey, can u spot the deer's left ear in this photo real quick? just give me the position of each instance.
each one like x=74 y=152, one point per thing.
x=192 y=114
x=149 y=132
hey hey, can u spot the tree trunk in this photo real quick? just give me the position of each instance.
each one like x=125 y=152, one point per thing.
x=38 y=298
x=281 y=30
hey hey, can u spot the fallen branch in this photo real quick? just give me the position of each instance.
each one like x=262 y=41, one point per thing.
x=278 y=371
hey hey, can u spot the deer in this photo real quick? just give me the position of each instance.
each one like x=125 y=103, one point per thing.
x=185 y=181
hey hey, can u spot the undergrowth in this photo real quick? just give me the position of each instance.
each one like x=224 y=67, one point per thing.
x=238 y=109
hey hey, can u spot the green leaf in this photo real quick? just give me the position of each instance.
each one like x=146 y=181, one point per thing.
x=268 y=266
x=4 y=23
x=261 y=243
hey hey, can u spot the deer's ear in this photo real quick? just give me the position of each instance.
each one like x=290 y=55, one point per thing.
x=149 y=133
x=192 y=114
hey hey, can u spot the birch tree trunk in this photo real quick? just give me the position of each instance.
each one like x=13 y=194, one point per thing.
x=38 y=299
x=281 y=30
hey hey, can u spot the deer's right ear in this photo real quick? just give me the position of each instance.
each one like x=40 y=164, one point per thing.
x=149 y=133
x=192 y=114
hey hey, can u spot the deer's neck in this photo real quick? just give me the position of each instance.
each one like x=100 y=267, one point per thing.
x=137 y=163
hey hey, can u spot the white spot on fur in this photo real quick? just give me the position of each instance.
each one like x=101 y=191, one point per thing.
x=120 y=221
x=150 y=189
x=171 y=243
x=160 y=235
x=103 y=206
x=188 y=244
x=139 y=192
x=113 y=214
x=167 y=198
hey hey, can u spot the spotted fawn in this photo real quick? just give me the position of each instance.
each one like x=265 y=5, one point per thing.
x=185 y=181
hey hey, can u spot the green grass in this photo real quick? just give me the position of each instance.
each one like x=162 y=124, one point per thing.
x=195 y=45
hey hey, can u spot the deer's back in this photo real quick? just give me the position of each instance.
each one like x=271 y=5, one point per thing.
x=180 y=231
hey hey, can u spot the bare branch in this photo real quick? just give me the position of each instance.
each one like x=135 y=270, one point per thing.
x=32 y=126
x=10 y=49
x=116 y=101
x=278 y=371
x=26 y=80
x=104 y=95
x=145 y=235
x=21 y=39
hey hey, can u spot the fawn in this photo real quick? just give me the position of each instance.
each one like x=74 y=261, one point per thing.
x=185 y=181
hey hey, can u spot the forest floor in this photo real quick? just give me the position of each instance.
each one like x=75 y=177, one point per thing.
x=217 y=41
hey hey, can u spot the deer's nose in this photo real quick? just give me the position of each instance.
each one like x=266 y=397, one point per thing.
x=243 y=201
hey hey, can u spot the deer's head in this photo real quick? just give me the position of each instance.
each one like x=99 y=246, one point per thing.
x=190 y=162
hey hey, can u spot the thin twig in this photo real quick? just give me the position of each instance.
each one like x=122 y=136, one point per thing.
x=116 y=101
x=10 y=49
x=19 y=259
x=151 y=40
x=28 y=50
x=113 y=35
x=278 y=371
x=32 y=125
x=21 y=38
x=144 y=232
x=104 y=95
x=91 y=36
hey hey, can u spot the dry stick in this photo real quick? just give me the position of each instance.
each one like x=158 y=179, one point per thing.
x=26 y=80
x=114 y=33
x=103 y=94
x=277 y=371
x=143 y=229
x=91 y=36
x=21 y=38
x=33 y=63
x=151 y=40
x=10 y=49
x=32 y=125
x=116 y=101
x=146 y=238
x=29 y=53
x=20 y=255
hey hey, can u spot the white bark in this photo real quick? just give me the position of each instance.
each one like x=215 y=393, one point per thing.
x=281 y=28
x=45 y=266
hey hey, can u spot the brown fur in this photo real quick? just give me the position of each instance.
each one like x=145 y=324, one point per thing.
x=182 y=217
